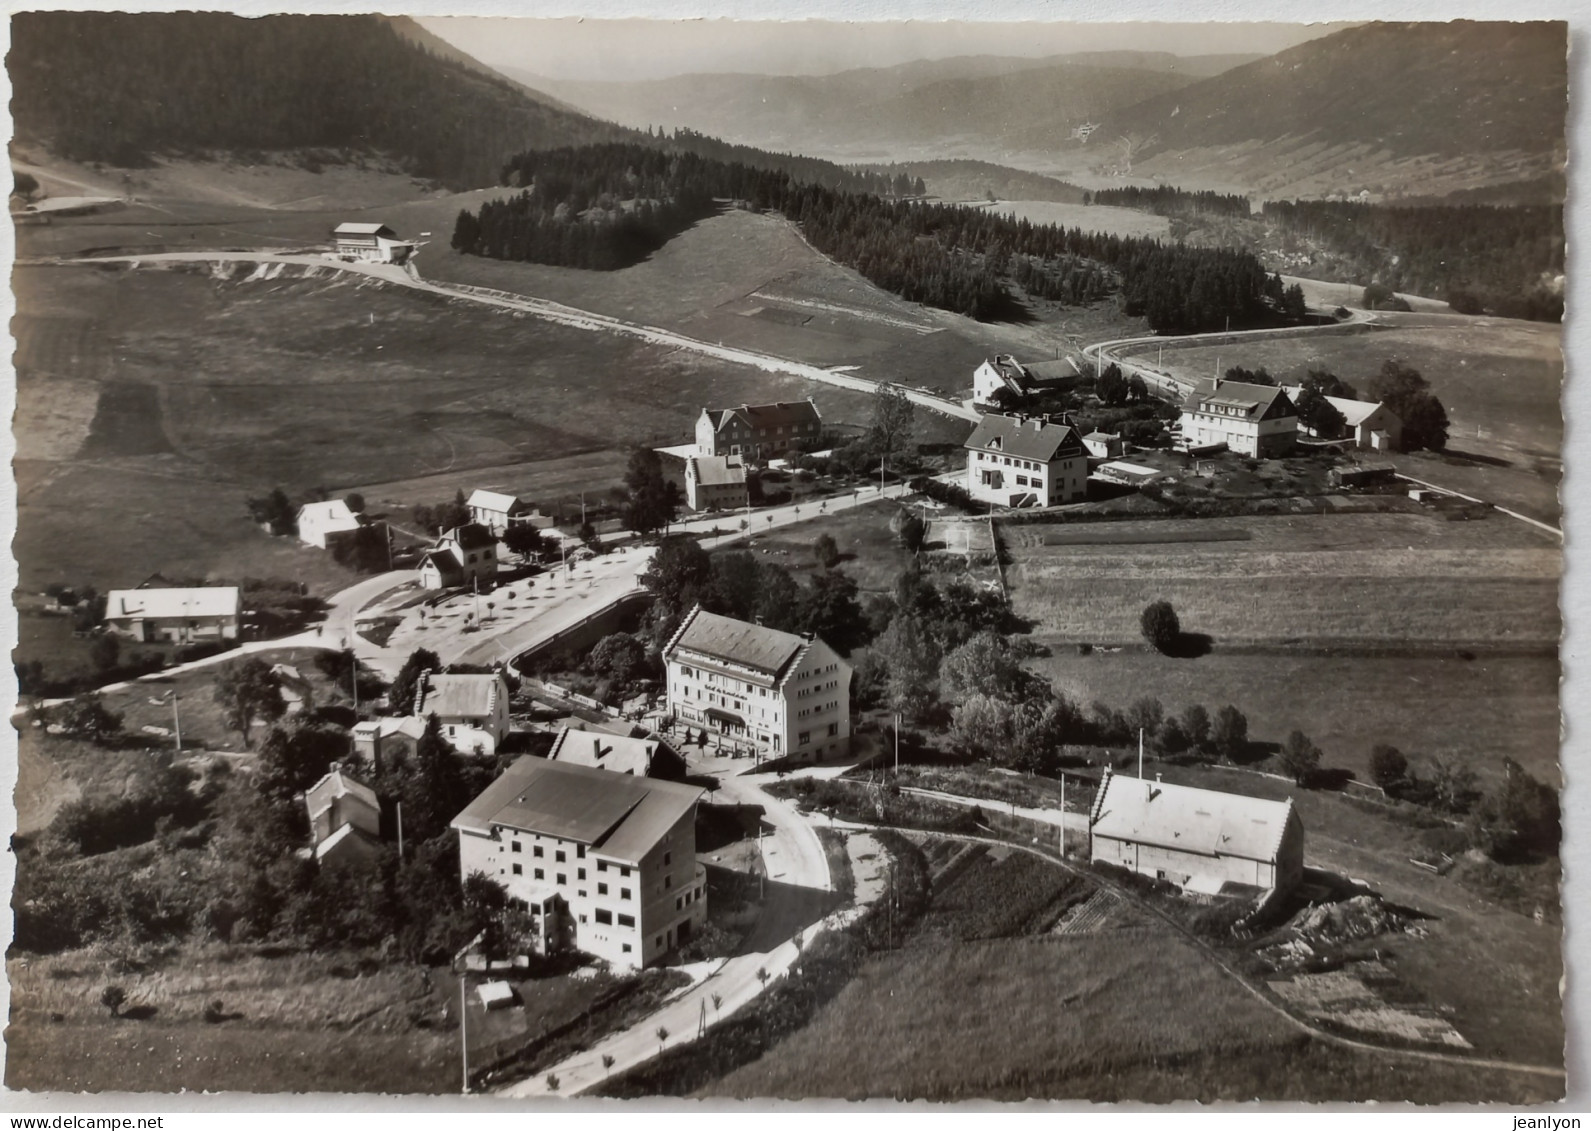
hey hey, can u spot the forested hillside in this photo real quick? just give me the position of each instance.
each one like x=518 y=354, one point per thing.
x=607 y=206
x=121 y=88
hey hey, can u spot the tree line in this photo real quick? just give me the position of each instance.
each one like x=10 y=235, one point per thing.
x=609 y=205
x=1167 y=200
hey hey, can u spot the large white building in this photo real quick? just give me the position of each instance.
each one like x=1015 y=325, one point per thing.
x=604 y=862
x=1199 y=839
x=179 y=616
x=1251 y=420
x=773 y=693
x=716 y=483
x=370 y=243
x=1026 y=461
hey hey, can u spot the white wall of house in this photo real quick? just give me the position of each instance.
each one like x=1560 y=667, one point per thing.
x=993 y=477
x=806 y=716
x=1243 y=436
x=175 y=630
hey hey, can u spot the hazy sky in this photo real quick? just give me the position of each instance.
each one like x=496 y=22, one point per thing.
x=642 y=49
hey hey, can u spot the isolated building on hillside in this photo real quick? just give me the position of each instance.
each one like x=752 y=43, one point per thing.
x=1369 y=424
x=603 y=862
x=344 y=819
x=1199 y=839
x=380 y=741
x=177 y=615
x=1251 y=420
x=370 y=243
x=774 y=693
x=759 y=432
x=473 y=709
x=497 y=511
x=716 y=483
x=1026 y=461
x=643 y=756
x=464 y=555
x=319 y=524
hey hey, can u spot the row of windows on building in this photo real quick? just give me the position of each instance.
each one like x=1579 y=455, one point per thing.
x=818 y=689
x=805 y=737
x=818 y=710
x=1009 y=461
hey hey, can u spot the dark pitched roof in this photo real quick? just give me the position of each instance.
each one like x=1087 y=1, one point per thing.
x=471 y=536
x=767 y=415
x=1027 y=438
x=764 y=650
x=1254 y=402
x=617 y=814
x=447 y=566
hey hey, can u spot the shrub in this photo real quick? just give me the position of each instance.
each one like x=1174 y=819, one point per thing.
x=1388 y=767
x=1160 y=626
x=826 y=551
x=1299 y=757
x=113 y=998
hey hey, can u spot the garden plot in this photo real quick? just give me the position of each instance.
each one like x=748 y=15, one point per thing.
x=1342 y=999
x=973 y=540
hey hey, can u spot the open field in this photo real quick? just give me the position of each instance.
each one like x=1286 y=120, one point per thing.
x=1499 y=379
x=1396 y=580
x=871 y=555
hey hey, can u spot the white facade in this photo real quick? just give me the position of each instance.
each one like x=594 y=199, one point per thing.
x=319 y=522
x=783 y=696
x=472 y=709
x=1023 y=461
x=179 y=616
x=1251 y=420
x=370 y=243
x=716 y=483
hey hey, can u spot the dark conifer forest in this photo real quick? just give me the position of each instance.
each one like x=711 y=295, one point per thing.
x=607 y=206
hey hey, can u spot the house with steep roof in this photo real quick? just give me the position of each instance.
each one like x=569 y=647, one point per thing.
x=319 y=524
x=465 y=555
x=716 y=483
x=369 y=243
x=602 y=862
x=1026 y=461
x=771 y=693
x=177 y=615
x=759 y=432
x=1370 y=424
x=472 y=709
x=497 y=511
x=1251 y=420
x=999 y=381
x=1199 y=839
x=638 y=752
x=344 y=820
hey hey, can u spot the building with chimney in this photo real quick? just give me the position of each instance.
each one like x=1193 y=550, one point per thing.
x=1026 y=461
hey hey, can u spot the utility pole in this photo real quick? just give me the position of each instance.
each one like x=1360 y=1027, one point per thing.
x=388 y=527
x=762 y=869
x=176 y=720
x=897 y=744
x=464 y=1020
x=400 y=831
x=1140 y=753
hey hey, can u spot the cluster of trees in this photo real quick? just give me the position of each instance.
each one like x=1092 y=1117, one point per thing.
x=941 y=255
x=1408 y=394
x=1070 y=279
x=1165 y=200
x=1115 y=389
x=1518 y=817
x=153 y=83
x=652 y=500
x=1481 y=257
x=442 y=516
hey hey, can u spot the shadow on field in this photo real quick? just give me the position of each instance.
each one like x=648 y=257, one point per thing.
x=1454 y=455
x=138 y=1013
x=1190 y=646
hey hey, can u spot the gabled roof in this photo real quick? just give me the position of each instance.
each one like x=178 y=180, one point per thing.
x=328 y=511
x=458 y=696
x=1024 y=437
x=718 y=471
x=1182 y=817
x=350 y=228
x=318 y=797
x=1102 y=437
x=602 y=750
x=783 y=413
x=1354 y=413
x=344 y=833
x=737 y=642
x=495 y=501
x=619 y=815
x=1254 y=402
x=446 y=566
x=388 y=725
x=205 y=601
x=470 y=536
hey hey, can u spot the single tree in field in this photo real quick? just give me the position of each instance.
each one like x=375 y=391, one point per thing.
x=1160 y=626
x=913 y=532
x=893 y=427
x=826 y=551
x=1299 y=757
x=247 y=690
x=607 y=1063
x=1229 y=732
x=662 y=1037
x=1195 y=722
x=1388 y=767
x=113 y=998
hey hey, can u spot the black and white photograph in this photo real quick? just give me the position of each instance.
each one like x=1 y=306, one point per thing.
x=740 y=560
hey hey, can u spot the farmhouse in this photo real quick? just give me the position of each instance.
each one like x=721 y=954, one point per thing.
x=759 y=432
x=773 y=693
x=603 y=862
x=716 y=483
x=180 y=616
x=1251 y=420
x=473 y=709
x=462 y=556
x=1199 y=839
x=497 y=511
x=344 y=820
x=644 y=756
x=1369 y=424
x=319 y=524
x=1021 y=461
x=371 y=243
x=1002 y=381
